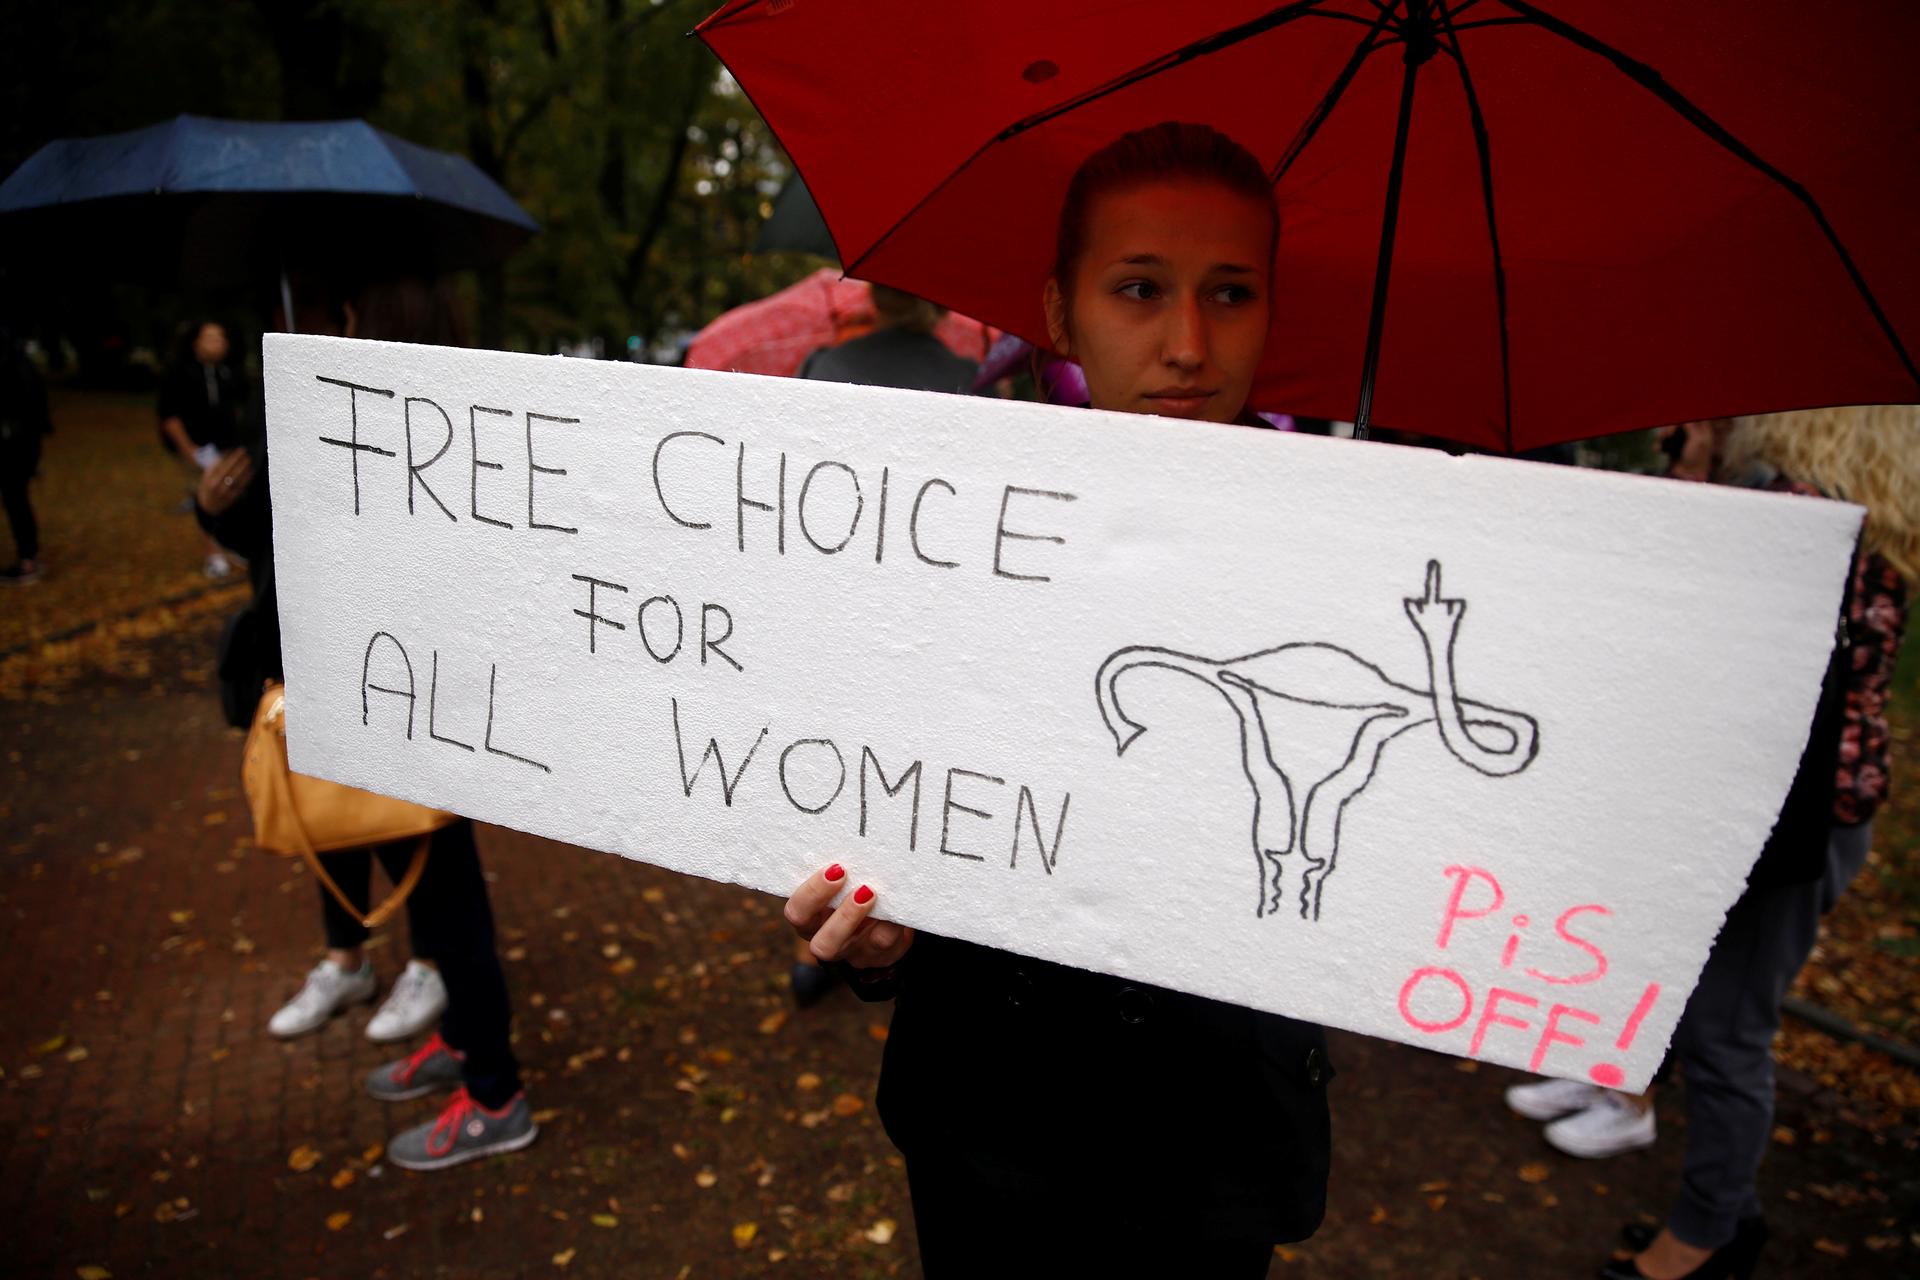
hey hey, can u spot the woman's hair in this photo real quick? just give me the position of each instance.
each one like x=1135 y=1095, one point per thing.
x=1169 y=151
x=896 y=309
x=411 y=309
x=1869 y=455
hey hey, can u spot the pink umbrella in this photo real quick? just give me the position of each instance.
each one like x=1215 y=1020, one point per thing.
x=776 y=333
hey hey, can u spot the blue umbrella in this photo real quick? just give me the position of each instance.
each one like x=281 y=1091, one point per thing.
x=220 y=201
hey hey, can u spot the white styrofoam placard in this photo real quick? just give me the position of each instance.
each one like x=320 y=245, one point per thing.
x=1469 y=753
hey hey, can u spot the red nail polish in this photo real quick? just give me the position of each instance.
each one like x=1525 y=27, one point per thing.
x=834 y=872
x=863 y=895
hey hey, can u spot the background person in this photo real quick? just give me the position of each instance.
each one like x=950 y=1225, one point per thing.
x=450 y=916
x=24 y=421
x=201 y=402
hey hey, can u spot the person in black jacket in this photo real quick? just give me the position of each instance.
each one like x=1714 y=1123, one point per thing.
x=1058 y=1122
x=23 y=421
x=450 y=917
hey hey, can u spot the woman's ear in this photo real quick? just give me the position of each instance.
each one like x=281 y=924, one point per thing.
x=1055 y=304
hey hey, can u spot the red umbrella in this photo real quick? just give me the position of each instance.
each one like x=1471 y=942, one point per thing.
x=776 y=333
x=1508 y=223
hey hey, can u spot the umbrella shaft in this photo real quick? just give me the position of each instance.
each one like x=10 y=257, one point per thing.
x=1383 y=268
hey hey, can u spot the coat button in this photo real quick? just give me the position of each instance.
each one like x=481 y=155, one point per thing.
x=1134 y=1004
x=1317 y=1069
x=1019 y=988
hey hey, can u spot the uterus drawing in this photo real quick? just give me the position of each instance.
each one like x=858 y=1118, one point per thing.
x=1314 y=721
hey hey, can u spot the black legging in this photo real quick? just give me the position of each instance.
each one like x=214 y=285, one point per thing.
x=15 y=476
x=451 y=921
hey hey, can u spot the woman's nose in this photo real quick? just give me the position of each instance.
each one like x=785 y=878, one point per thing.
x=1184 y=344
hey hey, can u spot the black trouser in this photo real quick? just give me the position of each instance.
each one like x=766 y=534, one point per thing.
x=451 y=920
x=15 y=475
x=969 y=1228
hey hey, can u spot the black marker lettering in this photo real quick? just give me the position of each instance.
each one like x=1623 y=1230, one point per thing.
x=713 y=750
x=950 y=804
x=413 y=472
x=838 y=786
x=741 y=501
x=660 y=492
x=366 y=685
x=593 y=618
x=709 y=642
x=913 y=524
x=492 y=672
x=912 y=774
x=679 y=629
x=859 y=504
x=473 y=435
x=433 y=693
x=880 y=523
x=352 y=443
x=1025 y=806
x=1001 y=533
x=533 y=466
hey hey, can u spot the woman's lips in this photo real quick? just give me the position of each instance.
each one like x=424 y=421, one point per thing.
x=1179 y=402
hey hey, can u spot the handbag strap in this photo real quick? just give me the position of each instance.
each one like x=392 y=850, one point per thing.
x=384 y=912
x=283 y=780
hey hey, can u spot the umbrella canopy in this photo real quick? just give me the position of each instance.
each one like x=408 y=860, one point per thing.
x=1504 y=222
x=775 y=334
x=218 y=201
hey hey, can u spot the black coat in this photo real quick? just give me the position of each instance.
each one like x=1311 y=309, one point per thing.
x=1123 y=1098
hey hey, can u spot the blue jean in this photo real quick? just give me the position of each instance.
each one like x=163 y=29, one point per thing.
x=1724 y=1043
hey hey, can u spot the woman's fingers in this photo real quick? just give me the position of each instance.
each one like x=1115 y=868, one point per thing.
x=809 y=907
x=879 y=945
x=831 y=938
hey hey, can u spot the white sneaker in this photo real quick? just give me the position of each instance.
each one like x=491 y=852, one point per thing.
x=416 y=1002
x=1551 y=1099
x=328 y=989
x=1611 y=1126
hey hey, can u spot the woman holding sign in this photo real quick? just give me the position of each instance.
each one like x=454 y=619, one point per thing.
x=1068 y=1121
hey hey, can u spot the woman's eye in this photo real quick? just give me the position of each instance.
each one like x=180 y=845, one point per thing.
x=1233 y=294
x=1139 y=290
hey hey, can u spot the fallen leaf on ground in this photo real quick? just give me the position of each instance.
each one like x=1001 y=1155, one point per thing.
x=604 y=1220
x=705 y=1178
x=1379 y=1215
x=342 y=1180
x=743 y=1234
x=807 y=1081
x=849 y=1104
x=563 y=1257
x=51 y=1045
x=303 y=1158
x=877 y=1031
x=882 y=1231
x=336 y=1221
x=773 y=1022
x=1830 y=1247
x=1534 y=1173
x=93 y=1273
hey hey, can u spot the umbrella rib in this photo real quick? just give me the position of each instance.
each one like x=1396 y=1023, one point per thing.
x=1311 y=125
x=1266 y=22
x=1481 y=145
x=1656 y=84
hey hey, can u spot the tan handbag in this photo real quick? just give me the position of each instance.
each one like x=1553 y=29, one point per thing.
x=298 y=815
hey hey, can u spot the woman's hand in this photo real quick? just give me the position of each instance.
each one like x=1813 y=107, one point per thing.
x=222 y=483
x=846 y=932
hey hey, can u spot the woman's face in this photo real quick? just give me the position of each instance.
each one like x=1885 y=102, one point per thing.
x=1169 y=300
x=210 y=344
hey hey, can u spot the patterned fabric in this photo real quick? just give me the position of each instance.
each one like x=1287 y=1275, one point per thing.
x=1876 y=621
